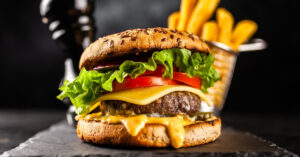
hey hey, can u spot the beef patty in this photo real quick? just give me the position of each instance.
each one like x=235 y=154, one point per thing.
x=170 y=104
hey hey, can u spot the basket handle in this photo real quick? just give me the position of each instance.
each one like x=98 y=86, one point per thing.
x=253 y=45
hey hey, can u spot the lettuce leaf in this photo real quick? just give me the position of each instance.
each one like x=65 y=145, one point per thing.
x=89 y=85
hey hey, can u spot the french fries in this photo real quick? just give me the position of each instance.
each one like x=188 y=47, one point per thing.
x=225 y=23
x=210 y=31
x=242 y=32
x=193 y=18
x=186 y=9
x=173 y=20
x=202 y=12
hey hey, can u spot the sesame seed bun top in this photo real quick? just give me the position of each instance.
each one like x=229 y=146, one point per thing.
x=139 y=40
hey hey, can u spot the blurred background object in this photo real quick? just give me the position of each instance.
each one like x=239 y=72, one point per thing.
x=71 y=25
x=263 y=82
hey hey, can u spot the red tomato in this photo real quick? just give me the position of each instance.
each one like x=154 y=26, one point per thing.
x=142 y=81
x=178 y=76
x=195 y=82
x=160 y=69
x=154 y=78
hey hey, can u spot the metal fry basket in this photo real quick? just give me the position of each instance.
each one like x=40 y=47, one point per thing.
x=225 y=59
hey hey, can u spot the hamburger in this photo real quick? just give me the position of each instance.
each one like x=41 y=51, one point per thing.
x=145 y=88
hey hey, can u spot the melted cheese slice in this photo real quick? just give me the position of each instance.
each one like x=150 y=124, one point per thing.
x=144 y=96
x=134 y=124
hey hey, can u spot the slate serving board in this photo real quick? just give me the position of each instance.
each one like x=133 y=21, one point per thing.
x=61 y=140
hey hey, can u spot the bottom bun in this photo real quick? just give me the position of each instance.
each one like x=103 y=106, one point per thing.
x=152 y=135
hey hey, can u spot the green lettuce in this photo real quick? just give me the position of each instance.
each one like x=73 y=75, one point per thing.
x=89 y=85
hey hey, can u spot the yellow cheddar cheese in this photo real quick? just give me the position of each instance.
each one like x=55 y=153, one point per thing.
x=144 y=96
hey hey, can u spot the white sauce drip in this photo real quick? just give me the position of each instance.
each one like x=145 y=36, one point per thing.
x=205 y=108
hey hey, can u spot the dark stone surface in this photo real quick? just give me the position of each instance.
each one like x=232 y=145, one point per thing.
x=282 y=129
x=17 y=125
x=61 y=140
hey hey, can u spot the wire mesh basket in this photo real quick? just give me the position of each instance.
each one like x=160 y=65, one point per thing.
x=224 y=63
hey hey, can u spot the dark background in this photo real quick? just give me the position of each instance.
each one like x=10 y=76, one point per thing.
x=32 y=65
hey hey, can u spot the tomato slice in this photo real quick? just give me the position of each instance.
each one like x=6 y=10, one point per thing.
x=142 y=81
x=160 y=69
x=154 y=78
x=195 y=82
